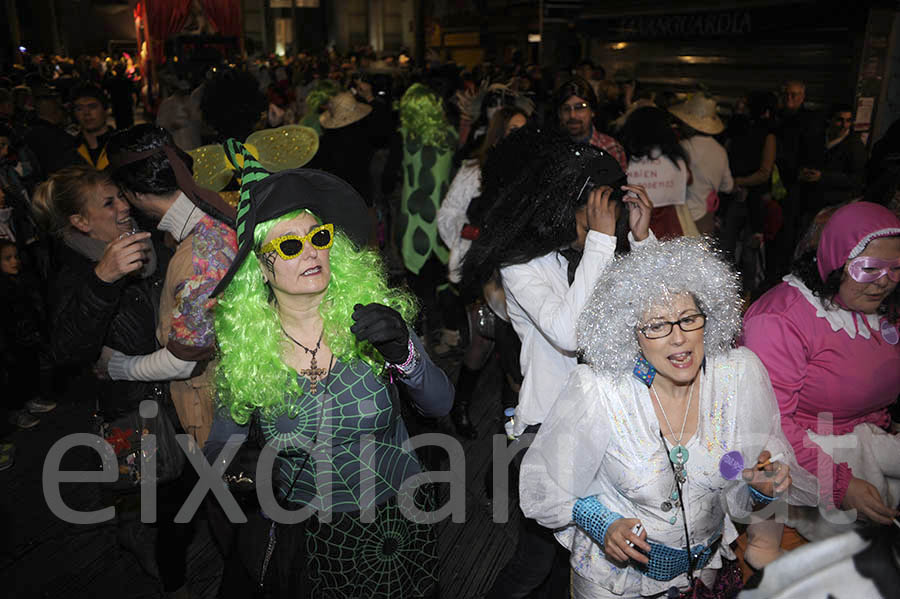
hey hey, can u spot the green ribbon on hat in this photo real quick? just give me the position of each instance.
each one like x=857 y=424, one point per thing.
x=249 y=171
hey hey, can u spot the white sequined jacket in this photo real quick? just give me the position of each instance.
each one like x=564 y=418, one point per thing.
x=602 y=438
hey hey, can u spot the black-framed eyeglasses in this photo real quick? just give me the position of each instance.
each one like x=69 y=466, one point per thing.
x=658 y=329
x=569 y=108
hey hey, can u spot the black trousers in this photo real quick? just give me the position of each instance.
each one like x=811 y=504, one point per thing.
x=539 y=568
x=173 y=539
x=509 y=347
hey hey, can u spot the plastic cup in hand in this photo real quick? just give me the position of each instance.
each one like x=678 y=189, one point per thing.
x=133 y=230
x=146 y=243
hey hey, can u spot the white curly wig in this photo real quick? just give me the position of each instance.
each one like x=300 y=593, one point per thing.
x=651 y=276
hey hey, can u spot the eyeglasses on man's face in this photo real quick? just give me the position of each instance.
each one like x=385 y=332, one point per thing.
x=657 y=329
x=578 y=108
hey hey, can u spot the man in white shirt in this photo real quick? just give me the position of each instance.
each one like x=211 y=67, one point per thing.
x=552 y=232
x=158 y=182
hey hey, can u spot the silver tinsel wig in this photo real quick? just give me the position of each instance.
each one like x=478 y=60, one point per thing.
x=648 y=277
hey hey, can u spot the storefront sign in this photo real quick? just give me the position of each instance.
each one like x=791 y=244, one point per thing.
x=790 y=22
x=681 y=26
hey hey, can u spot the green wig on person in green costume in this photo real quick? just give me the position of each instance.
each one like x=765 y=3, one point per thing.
x=428 y=145
x=251 y=374
x=422 y=117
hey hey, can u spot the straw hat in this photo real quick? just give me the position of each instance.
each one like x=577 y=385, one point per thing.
x=343 y=109
x=699 y=112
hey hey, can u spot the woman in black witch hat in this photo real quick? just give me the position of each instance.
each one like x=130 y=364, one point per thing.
x=310 y=338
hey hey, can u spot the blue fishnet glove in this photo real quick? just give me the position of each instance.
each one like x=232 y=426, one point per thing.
x=594 y=518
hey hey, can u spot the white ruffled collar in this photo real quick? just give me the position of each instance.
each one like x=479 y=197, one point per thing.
x=852 y=323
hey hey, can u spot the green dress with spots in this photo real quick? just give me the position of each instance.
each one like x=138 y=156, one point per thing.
x=426 y=177
x=312 y=121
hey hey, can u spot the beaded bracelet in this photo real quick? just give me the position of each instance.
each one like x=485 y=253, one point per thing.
x=412 y=360
x=759 y=498
x=594 y=518
x=409 y=358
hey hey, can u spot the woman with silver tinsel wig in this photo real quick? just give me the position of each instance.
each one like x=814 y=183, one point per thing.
x=643 y=454
x=556 y=221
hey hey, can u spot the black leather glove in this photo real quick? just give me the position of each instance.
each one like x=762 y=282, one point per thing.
x=384 y=328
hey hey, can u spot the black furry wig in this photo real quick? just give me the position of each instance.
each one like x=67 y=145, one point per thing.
x=502 y=165
x=533 y=183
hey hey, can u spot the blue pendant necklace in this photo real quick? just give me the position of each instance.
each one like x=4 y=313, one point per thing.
x=679 y=455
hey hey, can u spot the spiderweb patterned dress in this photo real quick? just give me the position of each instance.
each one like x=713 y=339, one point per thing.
x=356 y=465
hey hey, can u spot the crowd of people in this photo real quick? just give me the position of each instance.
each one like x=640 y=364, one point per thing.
x=694 y=308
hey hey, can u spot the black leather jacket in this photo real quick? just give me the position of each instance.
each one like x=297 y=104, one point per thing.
x=86 y=313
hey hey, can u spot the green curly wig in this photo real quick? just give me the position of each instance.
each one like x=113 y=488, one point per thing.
x=251 y=374
x=422 y=118
x=320 y=94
